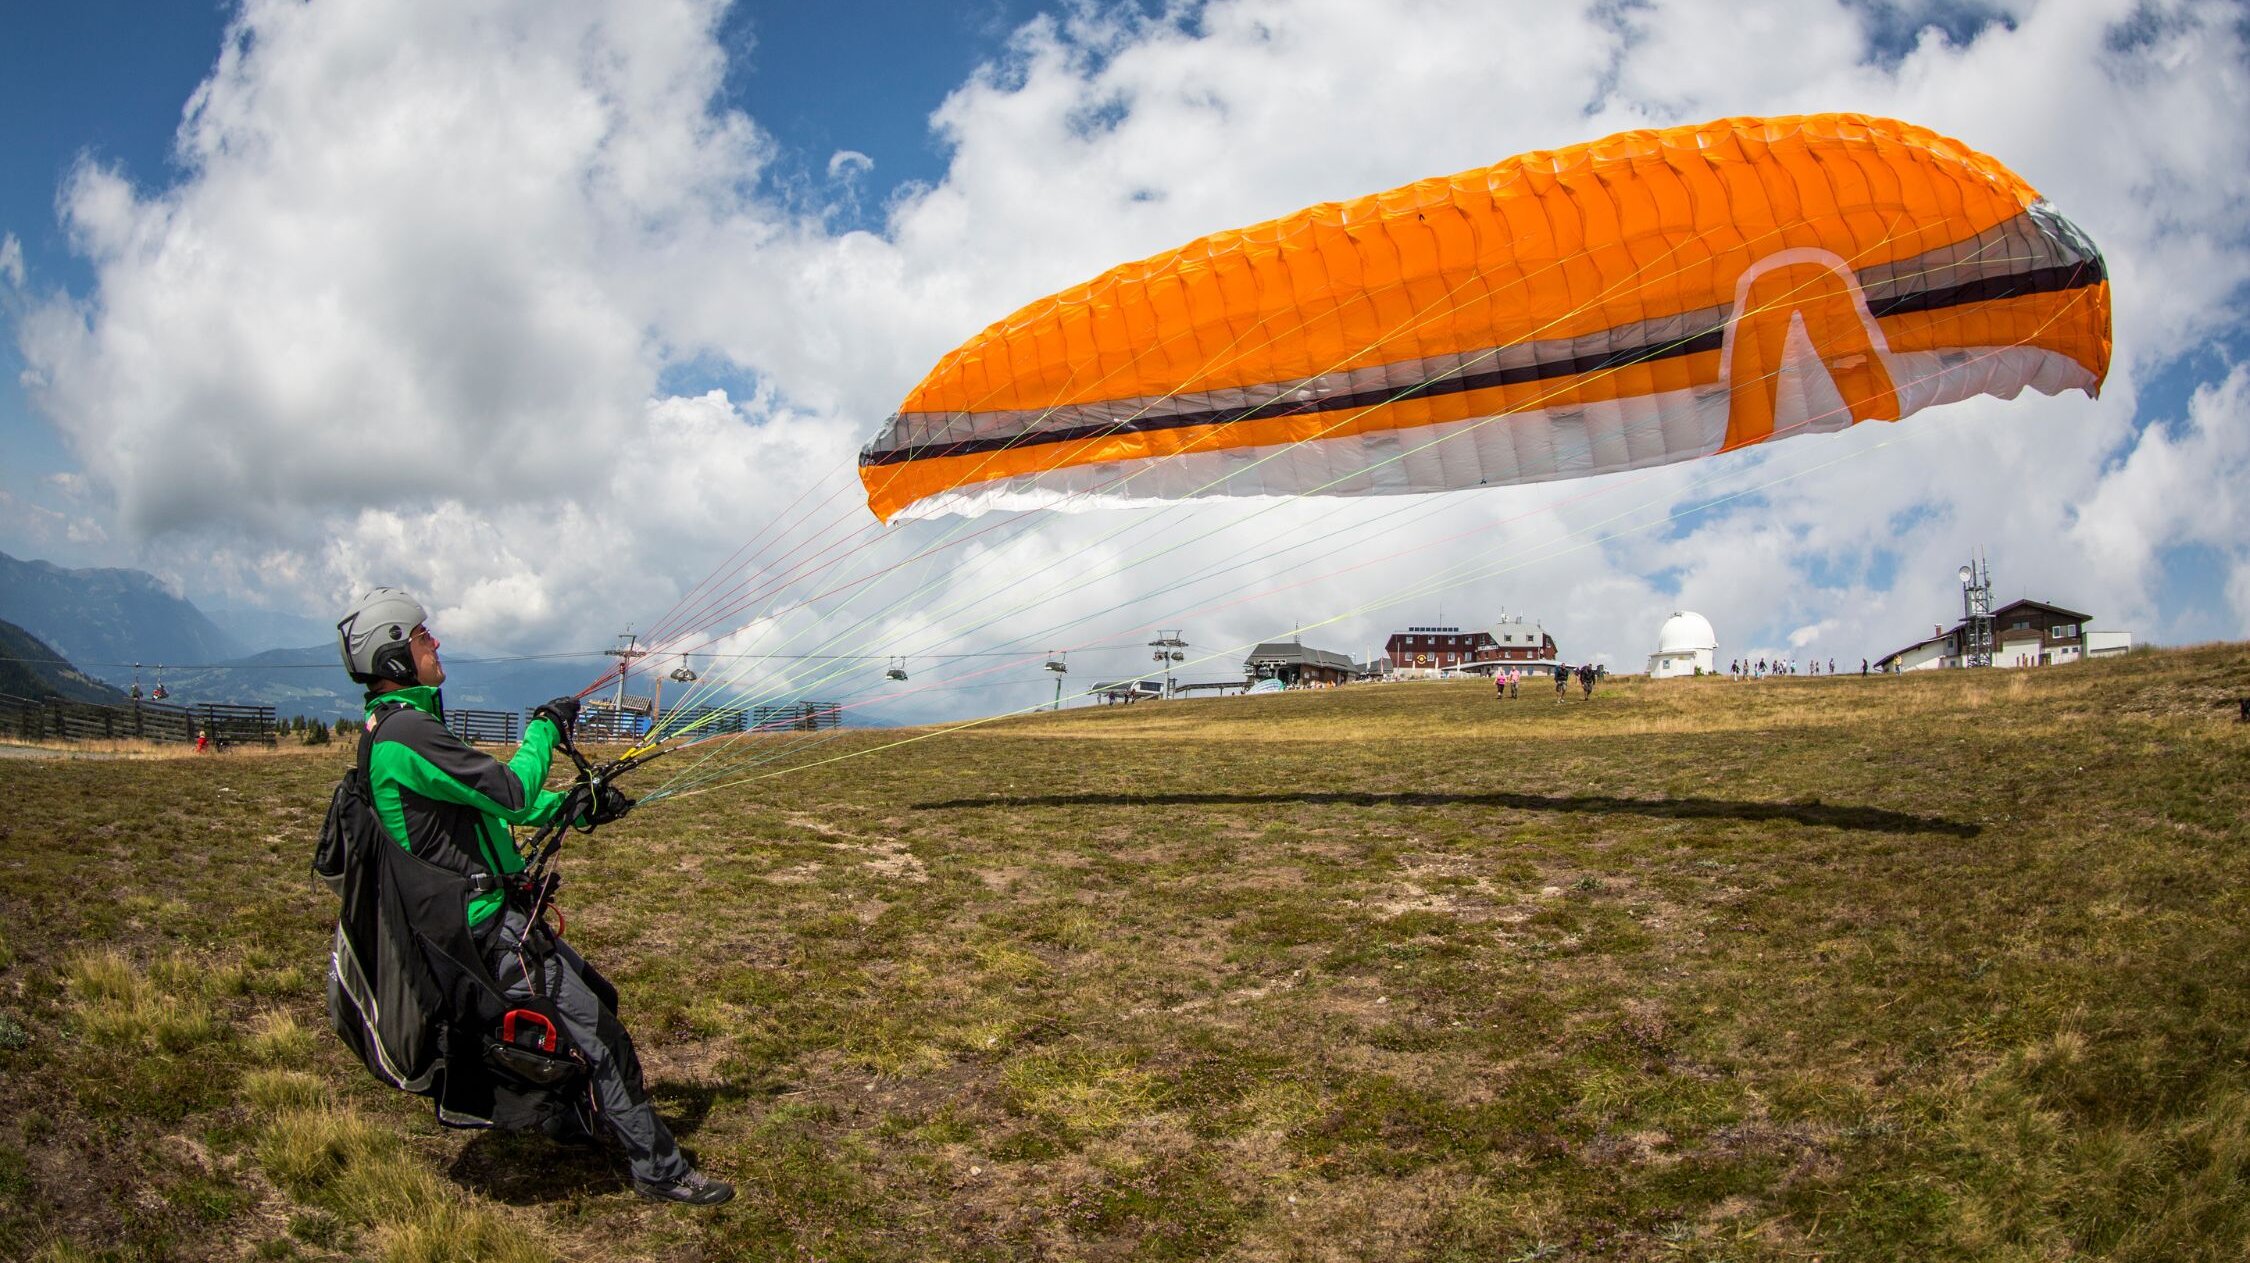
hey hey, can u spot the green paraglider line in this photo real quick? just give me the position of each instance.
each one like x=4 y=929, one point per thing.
x=1425 y=587
x=1180 y=544
x=1431 y=311
x=1420 y=589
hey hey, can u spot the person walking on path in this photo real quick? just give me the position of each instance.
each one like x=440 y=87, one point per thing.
x=452 y=805
x=1515 y=684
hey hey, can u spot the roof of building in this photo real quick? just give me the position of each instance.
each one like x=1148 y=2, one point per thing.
x=1926 y=640
x=1285 y=652
x=2049 y=606
x=1686 y=632
x=1436 y=633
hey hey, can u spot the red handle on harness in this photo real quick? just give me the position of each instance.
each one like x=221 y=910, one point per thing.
x=547 y=1042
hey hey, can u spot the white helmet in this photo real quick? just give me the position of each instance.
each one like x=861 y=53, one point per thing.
x=373 y=635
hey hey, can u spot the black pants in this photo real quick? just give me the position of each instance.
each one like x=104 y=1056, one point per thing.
x=617 y=1096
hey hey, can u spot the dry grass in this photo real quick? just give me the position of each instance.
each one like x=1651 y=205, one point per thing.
x=150 y=750
x=368 y=1183
x=1952 y=966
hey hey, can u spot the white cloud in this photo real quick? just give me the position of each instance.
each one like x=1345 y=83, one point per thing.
x=845 y=164
x=405 y=316
x=2179 y=484
x=11 y=260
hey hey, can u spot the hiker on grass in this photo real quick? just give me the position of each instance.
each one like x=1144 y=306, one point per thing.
x=1515 y=684
x=1562 y=680
x=451 y=805
x=1586 y=681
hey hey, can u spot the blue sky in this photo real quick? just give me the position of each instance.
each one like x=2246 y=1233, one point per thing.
x=106 y=80
x=624 y=308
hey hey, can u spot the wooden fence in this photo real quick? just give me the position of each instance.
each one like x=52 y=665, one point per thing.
x=703 y=721
x=600 y=722
x=482 y=727
x=236 y=725
x=53 y=719
x=796 y=717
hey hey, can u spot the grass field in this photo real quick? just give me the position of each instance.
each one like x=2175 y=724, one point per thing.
x=1954 y=966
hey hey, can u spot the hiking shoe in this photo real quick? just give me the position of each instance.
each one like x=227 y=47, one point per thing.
x=693 y=1189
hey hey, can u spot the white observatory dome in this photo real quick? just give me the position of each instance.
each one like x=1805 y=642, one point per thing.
x=1686 y=632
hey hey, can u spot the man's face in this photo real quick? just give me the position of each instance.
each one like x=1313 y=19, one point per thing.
x=428 y=670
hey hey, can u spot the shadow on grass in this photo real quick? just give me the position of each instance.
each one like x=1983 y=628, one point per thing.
x=1866 y=819
x=527 y=1169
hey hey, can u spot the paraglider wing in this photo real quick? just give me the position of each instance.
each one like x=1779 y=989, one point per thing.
x=1655 y=296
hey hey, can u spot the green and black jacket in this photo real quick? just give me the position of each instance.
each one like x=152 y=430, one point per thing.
x=449 y=803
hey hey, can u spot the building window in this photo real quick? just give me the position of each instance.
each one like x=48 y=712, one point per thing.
x=2063 y=631
x=2020 y=624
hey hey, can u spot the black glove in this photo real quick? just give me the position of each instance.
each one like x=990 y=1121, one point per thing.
x=610 y=803
x=562 y=710
x=588 y=805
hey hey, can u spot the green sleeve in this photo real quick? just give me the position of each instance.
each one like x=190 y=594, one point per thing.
x=530 y=765
x=440 y=767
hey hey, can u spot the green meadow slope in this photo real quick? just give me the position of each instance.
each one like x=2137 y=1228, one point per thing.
x=1954 y=966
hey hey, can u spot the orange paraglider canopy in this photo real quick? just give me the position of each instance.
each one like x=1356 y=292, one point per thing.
x=1654 y=296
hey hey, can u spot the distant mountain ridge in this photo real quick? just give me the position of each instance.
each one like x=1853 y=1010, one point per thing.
x=104 y=620
x=30 y=667
x=311 y=681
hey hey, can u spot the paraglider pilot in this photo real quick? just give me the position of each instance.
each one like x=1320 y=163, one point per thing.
x=451 y=805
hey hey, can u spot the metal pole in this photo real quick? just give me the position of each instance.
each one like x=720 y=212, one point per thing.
x=625 y=656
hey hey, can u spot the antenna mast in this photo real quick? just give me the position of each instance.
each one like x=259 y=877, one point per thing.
x=1976 y=612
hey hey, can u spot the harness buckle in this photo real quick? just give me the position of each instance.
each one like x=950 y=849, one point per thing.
x=545 y=1039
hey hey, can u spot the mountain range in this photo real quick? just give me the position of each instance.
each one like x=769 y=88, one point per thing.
x=30 y=667
x=85 y=630
x=104 y=621
x=310 y=681
x=81 y=628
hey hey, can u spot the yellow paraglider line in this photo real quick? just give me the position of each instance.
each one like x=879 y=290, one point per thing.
x=1128 y=565
x=1441 y=439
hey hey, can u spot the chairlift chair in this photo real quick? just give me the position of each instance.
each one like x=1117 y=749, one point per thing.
x=897 y=669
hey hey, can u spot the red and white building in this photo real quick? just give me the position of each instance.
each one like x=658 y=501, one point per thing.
x=1435 y=651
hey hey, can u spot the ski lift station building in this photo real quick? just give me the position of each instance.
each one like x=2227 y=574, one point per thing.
x=1295 y=663
x=1685 y=645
